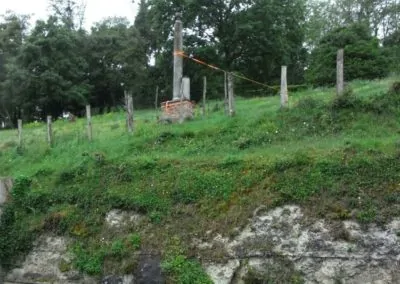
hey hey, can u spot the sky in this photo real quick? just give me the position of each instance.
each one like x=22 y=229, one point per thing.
x=96 y=10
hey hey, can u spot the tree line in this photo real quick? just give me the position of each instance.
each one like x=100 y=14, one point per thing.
x=56 y=66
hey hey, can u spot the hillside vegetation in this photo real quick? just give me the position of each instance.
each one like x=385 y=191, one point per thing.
x=337 y=158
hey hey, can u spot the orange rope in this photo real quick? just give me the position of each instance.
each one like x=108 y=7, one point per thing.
x=181 y=53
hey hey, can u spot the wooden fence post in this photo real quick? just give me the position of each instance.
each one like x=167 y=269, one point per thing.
x=284 y=88
x=156 y=101
x=49 y=130
x=89 y=122
x=231 y=96
x=204 y=95
x=129 y=111
x=340 y=72
x=20 y=133
x=226 y=99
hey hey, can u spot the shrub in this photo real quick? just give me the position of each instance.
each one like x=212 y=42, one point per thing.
x=88 y=261
x=135 y=241
x=364 y=59
x=20 y=189
x=118 y=249
x=395 y=88
x=347 y=101
x=184 y=271
x=15 y=235
x=164 y=137
x=308 y=103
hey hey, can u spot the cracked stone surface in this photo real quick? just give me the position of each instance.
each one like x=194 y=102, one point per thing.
x=5 y=189
x=119 y=218
x=358 y=256
x=44 y=263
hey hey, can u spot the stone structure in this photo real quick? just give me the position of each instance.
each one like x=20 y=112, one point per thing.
x=180 y=108
x=48 y=262
x=178 y=60
x=177 y=111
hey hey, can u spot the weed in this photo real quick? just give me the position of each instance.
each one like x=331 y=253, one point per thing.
x=347 y=101
x=117 y=249
x=164 y=137
x=395 y=88
x=135 y=241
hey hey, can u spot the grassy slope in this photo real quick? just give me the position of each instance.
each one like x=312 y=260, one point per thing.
x=340 y=162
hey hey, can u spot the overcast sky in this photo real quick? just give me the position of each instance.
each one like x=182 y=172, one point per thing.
x=96 y=10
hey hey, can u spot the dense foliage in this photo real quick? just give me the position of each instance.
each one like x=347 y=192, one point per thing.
x=364 y=59
x=56 y=66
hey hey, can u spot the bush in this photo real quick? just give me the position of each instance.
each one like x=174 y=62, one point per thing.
x=15 y=235
x=135 y=241
x=392 y=49
x=347 y=101
x=395 y=89
x=90 y=262
x=20 y=189
x=364 y=59
x=308 y=103
x=184 y=271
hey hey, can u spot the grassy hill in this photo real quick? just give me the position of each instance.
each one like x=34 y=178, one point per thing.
x=338 y=158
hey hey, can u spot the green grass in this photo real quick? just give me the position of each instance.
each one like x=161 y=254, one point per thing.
x=337 y=158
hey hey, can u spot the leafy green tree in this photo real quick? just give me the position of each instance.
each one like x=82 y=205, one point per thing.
x=381 y=16
x=253 y=37
x=364 y=59
x=118 y=62
x=392 y=48
x=13 y=29
x=71 y=13
x=56 y=70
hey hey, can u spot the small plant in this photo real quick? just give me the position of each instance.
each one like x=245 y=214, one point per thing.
x=308 y=103
x=117 y=248
x=164 y=137
x=88 y=261
x=135 y=241
x=155 y=217
x=395 y=88
x=99 y=158
x=367 y=215
x=184 y=271
x=188 y=135
x=242 y=143
x=347 y=101
x=20 y=189
x=64 y=266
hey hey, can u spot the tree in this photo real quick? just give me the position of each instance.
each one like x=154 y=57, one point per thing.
x=56 y=70
x=253 y=37
x=70 y=12
x=364 y=59
x=13 y=29
x=392 y=48
x=382 y=17
x=118 y=62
